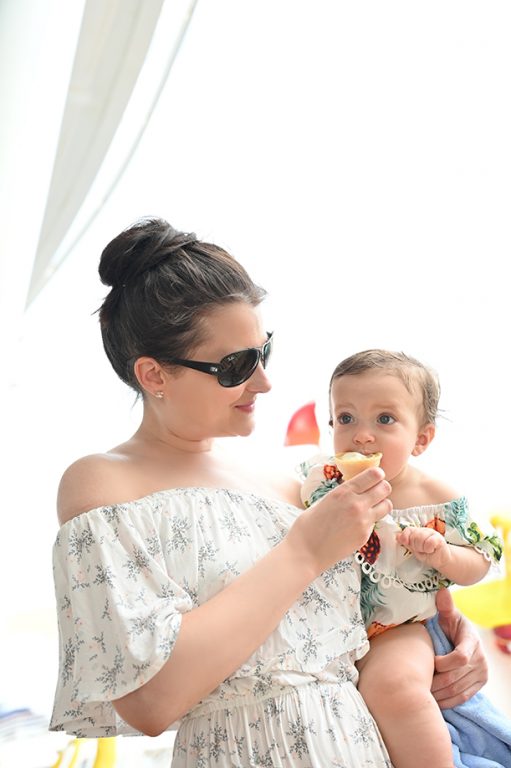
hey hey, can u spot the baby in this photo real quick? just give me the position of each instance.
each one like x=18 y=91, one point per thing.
x=386 y=402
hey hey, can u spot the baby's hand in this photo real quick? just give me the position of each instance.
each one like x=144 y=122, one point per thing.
x=427 y=545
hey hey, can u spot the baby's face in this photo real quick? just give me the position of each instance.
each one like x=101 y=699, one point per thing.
x=374 y=411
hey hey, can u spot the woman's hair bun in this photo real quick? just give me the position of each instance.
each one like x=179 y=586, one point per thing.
x=141 y=247
x=164 y=284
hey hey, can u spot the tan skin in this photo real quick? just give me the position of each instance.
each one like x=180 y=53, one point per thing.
x=174 y=447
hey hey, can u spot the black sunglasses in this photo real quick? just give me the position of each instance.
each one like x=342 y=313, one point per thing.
x=233 y=369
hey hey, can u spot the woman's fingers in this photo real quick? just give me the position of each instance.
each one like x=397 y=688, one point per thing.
x=449 y=690
x=464 y=671
x=365 y=480
x=374 y=489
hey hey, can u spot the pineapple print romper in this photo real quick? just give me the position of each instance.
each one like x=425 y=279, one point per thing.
x=125 y=574
x=396 y=587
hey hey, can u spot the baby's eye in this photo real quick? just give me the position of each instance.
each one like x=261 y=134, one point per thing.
x=386 y=418
x=345 y=418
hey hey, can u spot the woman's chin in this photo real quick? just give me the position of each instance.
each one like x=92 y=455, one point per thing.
x=243 y=429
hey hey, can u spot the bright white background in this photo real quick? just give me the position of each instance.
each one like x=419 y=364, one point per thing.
x=356 y=158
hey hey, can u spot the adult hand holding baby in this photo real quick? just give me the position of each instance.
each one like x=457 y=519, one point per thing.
x=464 y=671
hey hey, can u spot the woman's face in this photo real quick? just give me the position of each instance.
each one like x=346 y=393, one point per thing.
x=201 y=407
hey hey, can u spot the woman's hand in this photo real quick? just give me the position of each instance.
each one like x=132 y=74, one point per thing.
x=464 y=671
x=342 y=521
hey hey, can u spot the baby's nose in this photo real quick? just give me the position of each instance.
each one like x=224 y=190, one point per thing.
x=363 y=435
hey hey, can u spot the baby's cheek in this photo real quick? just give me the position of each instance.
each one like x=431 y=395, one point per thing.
x=340 y=442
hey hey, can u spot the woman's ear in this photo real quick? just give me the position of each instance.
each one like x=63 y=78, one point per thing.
x=424 y=438
x=150 y=375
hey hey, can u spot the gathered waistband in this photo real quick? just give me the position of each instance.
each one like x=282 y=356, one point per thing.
x=250 y=699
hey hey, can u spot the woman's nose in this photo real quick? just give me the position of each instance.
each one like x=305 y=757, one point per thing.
x=259 y=381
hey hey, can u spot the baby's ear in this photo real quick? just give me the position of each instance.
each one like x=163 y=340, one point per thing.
x=425 y=436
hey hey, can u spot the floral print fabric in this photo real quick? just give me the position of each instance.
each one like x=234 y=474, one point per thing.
x=395 y=586
x=308 y=726
x=125 y=574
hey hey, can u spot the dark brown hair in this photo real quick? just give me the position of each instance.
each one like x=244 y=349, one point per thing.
x=163 y=285
x=415 y=375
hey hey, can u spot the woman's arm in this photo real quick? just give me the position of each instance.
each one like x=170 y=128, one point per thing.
x=218 y=636
x=464 y=671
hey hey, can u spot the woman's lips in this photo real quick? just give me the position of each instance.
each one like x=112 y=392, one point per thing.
x=246 y=407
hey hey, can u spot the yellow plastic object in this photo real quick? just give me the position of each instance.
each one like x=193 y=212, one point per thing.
x=106 y=753
x=74 y=748
x=489 y=604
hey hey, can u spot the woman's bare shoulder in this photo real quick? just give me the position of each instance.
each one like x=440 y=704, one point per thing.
x=285 y=486
x=91 y=481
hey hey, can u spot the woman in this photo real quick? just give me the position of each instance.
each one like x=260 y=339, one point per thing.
x=195 y=592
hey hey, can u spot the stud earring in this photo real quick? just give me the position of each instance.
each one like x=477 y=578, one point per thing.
x=159 y=394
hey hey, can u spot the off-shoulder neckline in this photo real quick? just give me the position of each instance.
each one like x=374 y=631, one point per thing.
x=431 y=507
x=181 y=490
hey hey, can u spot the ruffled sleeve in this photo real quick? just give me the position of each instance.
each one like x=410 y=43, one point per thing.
x=119 y=613
x=464 y=530
x=318 y=475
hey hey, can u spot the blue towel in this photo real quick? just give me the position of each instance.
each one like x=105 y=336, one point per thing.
x=480 y=734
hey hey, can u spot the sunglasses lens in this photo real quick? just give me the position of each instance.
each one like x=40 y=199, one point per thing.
x=238 y=367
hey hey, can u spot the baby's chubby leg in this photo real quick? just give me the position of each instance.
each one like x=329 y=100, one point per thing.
x=395 y=682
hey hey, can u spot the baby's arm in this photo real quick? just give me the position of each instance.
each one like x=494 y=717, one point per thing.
x=463 y=565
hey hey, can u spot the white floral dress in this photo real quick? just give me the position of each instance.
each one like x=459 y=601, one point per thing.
x=125 y=574
x=396 y=588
